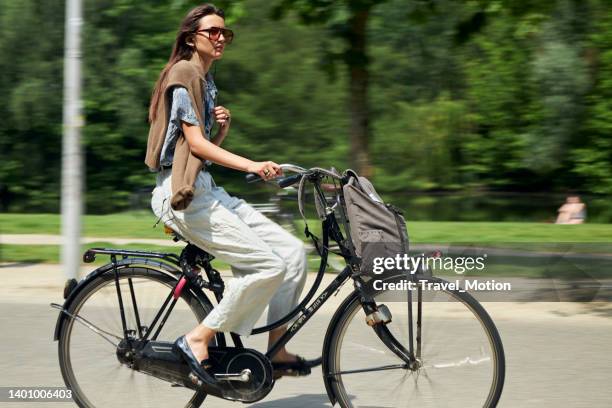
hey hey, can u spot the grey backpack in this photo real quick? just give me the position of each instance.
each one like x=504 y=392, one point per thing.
x=377 y=229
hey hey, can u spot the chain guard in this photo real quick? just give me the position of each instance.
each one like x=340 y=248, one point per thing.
x=232 y=360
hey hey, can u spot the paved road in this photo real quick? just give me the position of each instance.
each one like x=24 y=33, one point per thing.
x=558 y=354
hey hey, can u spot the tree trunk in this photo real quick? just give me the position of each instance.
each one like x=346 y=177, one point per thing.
x=357 y=62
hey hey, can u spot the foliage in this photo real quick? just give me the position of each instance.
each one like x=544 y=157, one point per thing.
x=507 y=95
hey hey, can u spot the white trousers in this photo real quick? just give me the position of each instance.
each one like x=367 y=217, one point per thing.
x=268 y=263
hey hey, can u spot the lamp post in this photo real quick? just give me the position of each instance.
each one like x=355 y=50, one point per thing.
x=72 y=168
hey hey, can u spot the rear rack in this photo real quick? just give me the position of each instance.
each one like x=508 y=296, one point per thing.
x=90 y=255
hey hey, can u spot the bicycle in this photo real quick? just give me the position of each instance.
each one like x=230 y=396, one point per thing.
x=433 y=348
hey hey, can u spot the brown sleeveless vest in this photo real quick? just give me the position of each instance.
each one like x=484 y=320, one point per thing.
x=185 y=165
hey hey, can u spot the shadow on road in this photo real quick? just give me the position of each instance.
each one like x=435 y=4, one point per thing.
x=299 y=401
x=603 y=309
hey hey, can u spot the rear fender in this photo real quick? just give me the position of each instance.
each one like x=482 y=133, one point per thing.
x=73 y=292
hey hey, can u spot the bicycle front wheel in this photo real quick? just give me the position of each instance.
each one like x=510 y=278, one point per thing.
x=88 y=358
x=457 y=354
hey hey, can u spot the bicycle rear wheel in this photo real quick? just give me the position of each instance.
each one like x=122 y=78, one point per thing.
x=460 y=357
x=88 y=360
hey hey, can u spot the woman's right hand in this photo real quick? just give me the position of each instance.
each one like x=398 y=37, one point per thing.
x=267 y=170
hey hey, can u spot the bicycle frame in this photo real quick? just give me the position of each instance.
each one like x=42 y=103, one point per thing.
x=187 y=264
x=140 y=350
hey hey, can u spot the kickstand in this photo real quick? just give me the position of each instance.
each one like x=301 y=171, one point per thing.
x=197 y=399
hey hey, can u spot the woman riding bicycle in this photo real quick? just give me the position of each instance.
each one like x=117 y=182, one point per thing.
x=269 y=263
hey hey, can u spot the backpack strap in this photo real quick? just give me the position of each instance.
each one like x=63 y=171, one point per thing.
x=301 y=204
x=301 y=199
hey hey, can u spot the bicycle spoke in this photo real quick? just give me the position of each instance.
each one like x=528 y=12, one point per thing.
x=391 y=342
x=366 y=370
x=114 y=374
x=467 y=361
x=93 y=327
x=375 y=350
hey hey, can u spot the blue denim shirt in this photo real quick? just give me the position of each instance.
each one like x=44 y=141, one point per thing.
x=182 y=110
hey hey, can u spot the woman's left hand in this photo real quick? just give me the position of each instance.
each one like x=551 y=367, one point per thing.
x=223 y=116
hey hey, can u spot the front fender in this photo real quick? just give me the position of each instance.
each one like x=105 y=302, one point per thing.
x=124 y=263
x=333 y=324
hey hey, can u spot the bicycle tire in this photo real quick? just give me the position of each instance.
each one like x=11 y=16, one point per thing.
x=144 y=279
x=351 y=345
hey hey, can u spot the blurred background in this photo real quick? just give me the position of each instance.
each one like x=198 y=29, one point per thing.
x=459 y=110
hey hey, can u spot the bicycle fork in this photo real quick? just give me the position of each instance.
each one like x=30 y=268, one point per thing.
x=378 y=316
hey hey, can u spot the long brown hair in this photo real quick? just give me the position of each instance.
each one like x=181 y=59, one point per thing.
x=181 y=51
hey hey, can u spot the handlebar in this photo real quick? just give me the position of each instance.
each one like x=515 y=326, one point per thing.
x=289 y=180
x=252 y=178
x=300 y=172
x=282 y=181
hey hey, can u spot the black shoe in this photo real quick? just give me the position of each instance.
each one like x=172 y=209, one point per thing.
x=181 y=347
x=298 y=368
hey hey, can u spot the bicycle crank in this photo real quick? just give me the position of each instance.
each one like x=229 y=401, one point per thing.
x=242 y=374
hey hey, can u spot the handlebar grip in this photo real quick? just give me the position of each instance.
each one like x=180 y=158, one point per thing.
x=289 y=180
x=252 y=178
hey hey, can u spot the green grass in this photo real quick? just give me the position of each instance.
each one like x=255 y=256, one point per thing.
x=587 y=238
x=499 y=232
x=140 y=225
x=502 y=232
x=29 y=254
x=137 y=224
x=51 y=254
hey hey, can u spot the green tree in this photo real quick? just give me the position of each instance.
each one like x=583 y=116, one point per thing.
x=347 y=21
x=592 y=154
x=30 y=82
x=506 y=94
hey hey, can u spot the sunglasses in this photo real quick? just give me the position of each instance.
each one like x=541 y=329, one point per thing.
x=214 y=33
